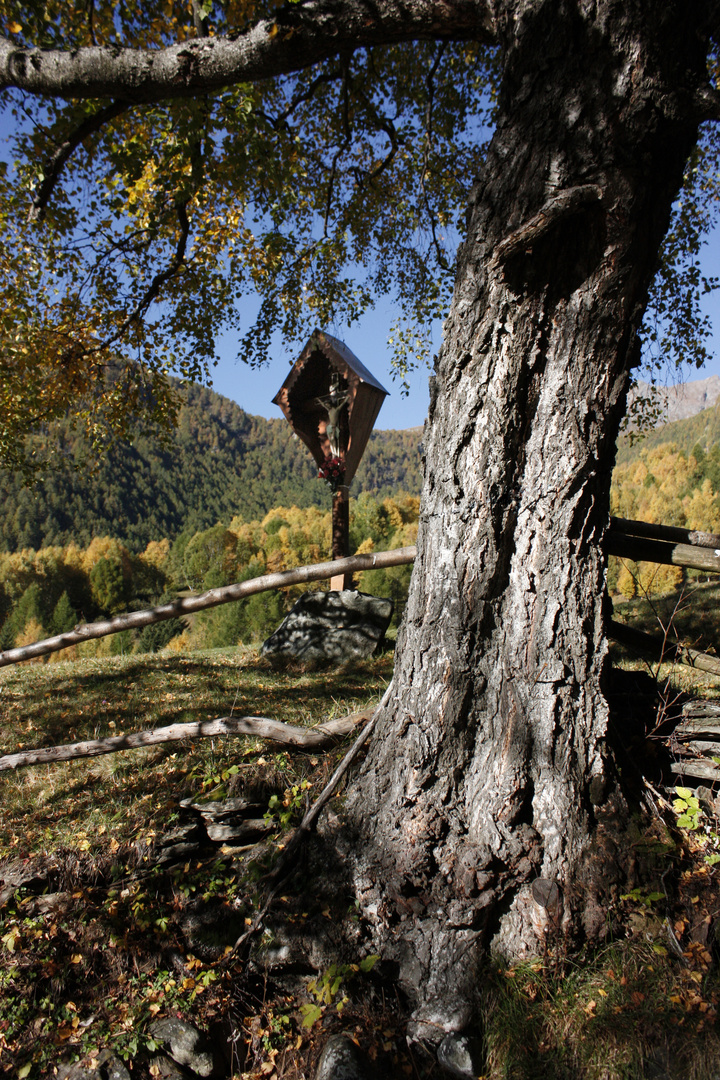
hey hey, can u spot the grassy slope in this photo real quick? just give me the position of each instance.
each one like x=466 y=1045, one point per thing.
x=96 y=962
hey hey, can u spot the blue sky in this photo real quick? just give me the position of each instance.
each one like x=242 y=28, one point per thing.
x=253 y=389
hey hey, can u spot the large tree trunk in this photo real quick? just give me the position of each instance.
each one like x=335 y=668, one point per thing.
x=489 y=769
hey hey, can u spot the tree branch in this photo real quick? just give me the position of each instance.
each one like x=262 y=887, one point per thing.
x=157 y=282
x=430 y=83
x=563 y=203
x=55 y=166
x=299 y=36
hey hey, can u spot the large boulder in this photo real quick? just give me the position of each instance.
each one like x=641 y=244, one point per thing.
x=331 y=626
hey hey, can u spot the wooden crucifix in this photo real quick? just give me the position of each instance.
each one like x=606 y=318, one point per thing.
x=332 y=401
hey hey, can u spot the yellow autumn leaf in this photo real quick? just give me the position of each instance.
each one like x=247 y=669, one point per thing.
x=14 y=28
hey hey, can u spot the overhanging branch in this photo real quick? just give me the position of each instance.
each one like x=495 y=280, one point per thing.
x=55 y=165
x=153 y=289
x=298 y=36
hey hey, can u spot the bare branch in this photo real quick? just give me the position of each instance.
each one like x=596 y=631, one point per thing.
x=304 y=96
x=259 y=727
x=382 y=123
x=91 y=21
x=55 y=166
x=200 y=22
x=430 y=83
x=299 y=36
x=157 y=282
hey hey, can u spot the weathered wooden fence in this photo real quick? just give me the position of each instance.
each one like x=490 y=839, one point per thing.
x=636 y=540
x=134 y=620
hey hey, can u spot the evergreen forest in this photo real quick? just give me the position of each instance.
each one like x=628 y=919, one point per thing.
x=219 y=463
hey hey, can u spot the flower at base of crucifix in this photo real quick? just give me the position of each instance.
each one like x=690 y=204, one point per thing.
x=332 y=471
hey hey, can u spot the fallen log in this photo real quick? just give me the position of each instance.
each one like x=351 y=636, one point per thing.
x=259 y=727
x=134 y=620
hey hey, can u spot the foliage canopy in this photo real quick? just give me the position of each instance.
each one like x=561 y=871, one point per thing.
x=132 y=226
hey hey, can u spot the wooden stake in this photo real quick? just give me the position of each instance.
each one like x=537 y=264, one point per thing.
x=341 y=536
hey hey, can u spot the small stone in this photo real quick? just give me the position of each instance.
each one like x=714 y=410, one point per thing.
x=341 y=1059
x=108 y=1067
x=460 y=1056
x=331 y=626
x=216 y=809
x=177 y=853
x=244 y=831
x=167 y=1069
x=185 y=1044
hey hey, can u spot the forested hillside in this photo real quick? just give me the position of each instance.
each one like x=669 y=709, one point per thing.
x=220 y=463
x=48 y=591
x=701 y=430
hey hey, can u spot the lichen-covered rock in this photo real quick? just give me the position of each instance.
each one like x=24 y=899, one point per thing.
x=331 y=626
x=185 y=1045
x=460 y=1056
x=343 y=1060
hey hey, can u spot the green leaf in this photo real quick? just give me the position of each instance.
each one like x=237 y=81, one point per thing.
x=684 y=792
x=685 y=821
x=369 y=963
x=24 y=1071
x=310 y=1014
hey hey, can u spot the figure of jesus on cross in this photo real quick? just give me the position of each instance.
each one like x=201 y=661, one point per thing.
x=334 y=403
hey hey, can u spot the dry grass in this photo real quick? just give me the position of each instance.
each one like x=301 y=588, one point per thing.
x=99 y=962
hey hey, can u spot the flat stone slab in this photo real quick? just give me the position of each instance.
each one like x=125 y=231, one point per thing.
x=334 y=626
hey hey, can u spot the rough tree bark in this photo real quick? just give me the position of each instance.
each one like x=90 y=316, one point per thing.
x=489 y=768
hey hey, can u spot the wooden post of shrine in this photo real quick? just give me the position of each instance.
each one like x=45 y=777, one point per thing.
x=341 y=534
x=331 y=401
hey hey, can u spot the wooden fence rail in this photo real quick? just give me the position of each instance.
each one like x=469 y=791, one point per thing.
x=213 y=598
x=636 y=540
